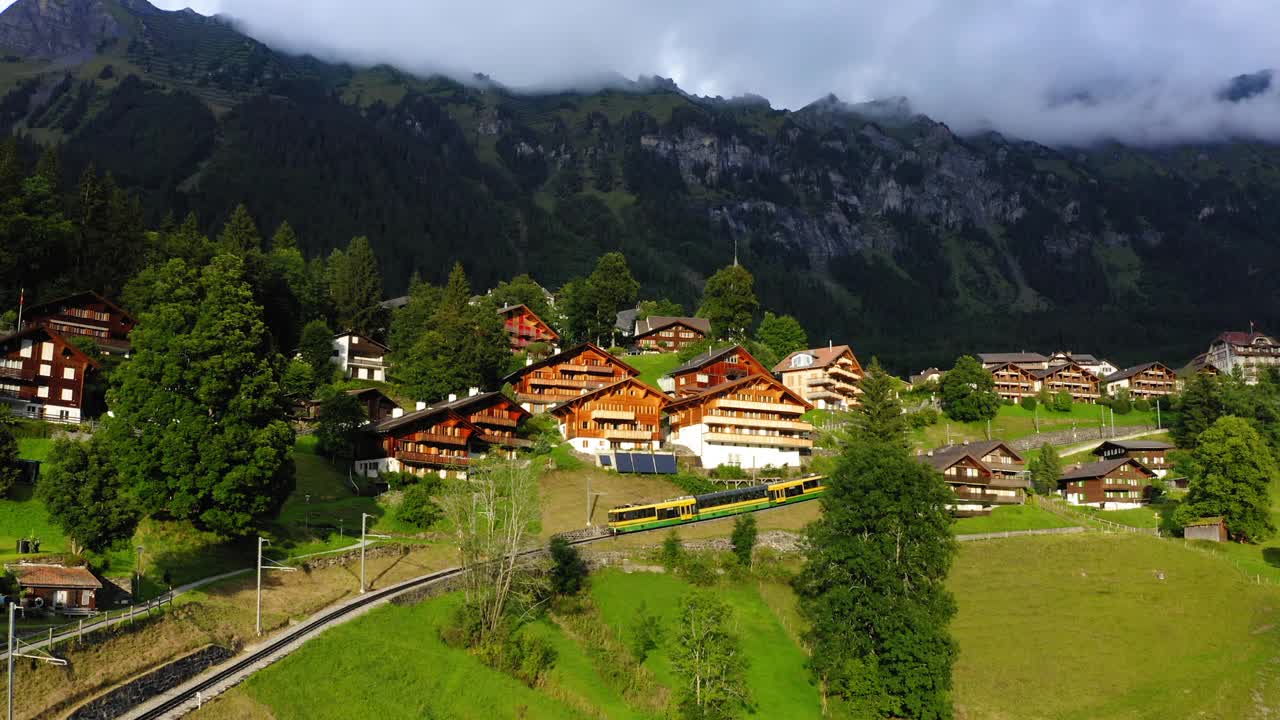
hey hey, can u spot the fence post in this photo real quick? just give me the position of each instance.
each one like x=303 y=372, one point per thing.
x=80 y=633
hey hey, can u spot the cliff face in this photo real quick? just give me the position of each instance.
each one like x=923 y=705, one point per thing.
x=56 y=29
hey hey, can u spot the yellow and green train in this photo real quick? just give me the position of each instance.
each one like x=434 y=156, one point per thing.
x=633 y=518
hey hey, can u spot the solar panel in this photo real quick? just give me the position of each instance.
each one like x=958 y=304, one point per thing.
x=606 y=461
x=646 y=463
x=665 y=464
x=624 y=462
x=643 y=463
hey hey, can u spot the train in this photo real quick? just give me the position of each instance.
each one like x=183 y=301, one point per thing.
x=691 y=509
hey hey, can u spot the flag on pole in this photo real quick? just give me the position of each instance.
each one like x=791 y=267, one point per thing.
x=22 y=301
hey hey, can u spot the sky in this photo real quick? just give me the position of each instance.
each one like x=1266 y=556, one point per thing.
x=1057 y=71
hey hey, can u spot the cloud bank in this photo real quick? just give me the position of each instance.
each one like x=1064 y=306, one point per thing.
x=1057 y=71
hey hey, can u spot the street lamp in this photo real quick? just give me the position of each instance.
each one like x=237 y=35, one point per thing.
x=364 y=534
x=137 y=581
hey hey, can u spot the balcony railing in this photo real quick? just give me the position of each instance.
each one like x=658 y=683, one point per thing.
x=439 y=438
x=431 y=459
x=501 y=420
x=597 y=369
x=566 y=382
x=744 y=439
x=730 y=403
x=613 y=415
x=758 y=423
x=365 y=361
x=986 y=497
x=10 y=372
x=508 y=441
x=628 y=435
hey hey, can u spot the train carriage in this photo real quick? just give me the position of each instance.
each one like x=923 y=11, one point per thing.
x=633 y=518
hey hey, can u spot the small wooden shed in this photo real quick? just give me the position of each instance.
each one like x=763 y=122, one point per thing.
x=1213 y=529
x=57 y=587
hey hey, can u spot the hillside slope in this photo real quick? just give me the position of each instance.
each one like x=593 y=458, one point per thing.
x=869 y=222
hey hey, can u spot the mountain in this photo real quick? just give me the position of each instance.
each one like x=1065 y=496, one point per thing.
x=871 y=223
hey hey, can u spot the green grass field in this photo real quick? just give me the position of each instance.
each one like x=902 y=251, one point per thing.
x=23 y=516
x=1014 y=422
x=653 y=366
x=1011 y=518
x=35 y=448
x=1146 y=517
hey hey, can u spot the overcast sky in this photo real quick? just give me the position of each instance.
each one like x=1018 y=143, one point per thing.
x=1150 y=68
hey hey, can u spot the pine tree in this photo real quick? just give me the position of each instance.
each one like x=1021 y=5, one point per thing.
x=240 y=234
x=316 y=349
x=463 y=346
x=1045 y=470
x=729 y=302
x=355 y=287
x=878 y=416
x=1231 y=470
x=1199 y=408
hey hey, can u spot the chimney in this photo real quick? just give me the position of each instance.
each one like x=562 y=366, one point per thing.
x=528 y=361
x=397 y=412
x=419 y=405
x=473 y=392
x=453 y=397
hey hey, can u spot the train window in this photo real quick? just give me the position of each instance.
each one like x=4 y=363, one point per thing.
x=794 y=490
x=668 y=513
x=810 y=484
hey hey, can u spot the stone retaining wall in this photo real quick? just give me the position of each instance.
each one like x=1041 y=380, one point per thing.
x=377 y=551
x=126 y=697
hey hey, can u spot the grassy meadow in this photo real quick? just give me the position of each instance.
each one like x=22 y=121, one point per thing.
x=653 y=365
x=1014 y=422
x=1010 y=518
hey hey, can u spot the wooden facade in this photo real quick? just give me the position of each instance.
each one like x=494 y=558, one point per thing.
x=377 y=405
x=752 y=422
x=1014 y=382
x=714 y=367
x=496 y=416
x=1083 y=385
x=827 y=377
x=524 y=327
x=57 y=587
x=431 y=441
x=982 y=475
x=542 y=385
x=1110 y=484
x=670 y=334
x=626 y=415
x=1153 y=454
x=1147 y=381
x=87 y=314
x=42 y=375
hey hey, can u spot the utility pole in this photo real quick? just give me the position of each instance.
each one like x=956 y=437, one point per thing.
x=364 y=534
x=273 y=566
x=42 y=656
x=1158 y=414
x=588 y=499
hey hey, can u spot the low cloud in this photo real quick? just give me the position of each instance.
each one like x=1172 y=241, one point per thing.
x=1057 y=71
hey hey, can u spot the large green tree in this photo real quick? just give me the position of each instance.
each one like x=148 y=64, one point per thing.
x=316 y=349
x=524 y=290
x=1230 y=470
x=410 y=321
x=87 y=496
x=339 y=419
x=878 y=416
x=1045 y=469
x=782 y=334
x=968 y=392
x=355 y=287
x=873 y=586
x=464 y=345
x=1198 y=409
x=610 y=289
x=199 y=425
x=240 y=234
x=8 y=452
x=708 y=659
x=729 y=302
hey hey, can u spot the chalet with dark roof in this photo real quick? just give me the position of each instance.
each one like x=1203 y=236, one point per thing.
x=625 y=415
x=377 y=405
x=712 y=368
x=85 y=314
x=751 y=422
x=1116 y=484
x=1252 y=352
x=496 y=416
x=42 y=375
x=1083 y=386
x=827 y=377
x=1153 y=454
x=433 y=440
x=541 y=385
x=661 y=333
x=360 y=357
x=1025 y=360
x=1014 y=382
x=982 y=475
x=1146 y=381
x=71 y=590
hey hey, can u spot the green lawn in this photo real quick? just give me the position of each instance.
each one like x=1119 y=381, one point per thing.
x=23 y=516
x=323 y=504
x=1014 y=422
x=1146 y=517
x=1010 y=518
x=1077 y=627
x=34 y=448
x=653 y=366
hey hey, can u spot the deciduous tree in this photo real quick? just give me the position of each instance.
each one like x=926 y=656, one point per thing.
x=729 y=302
x=782 y=334
x=743 y=538
x=87 y=496
x=1230 y=470
x=8 y=452
x=708 y=658
x=968 y=392
x=1045 y=469
x=340 y=416
x=610 y=289
x=568 y=569
x=316 y=349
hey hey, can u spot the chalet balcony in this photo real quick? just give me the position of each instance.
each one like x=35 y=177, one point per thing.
x=731 y=404
x=985 y=497
x=366 y=361
x=628 y=415
x=11 y=373
x=431 y=459
x=595 y=369
x=787 y=441
x=845 y=374
x=438 y=438
x=500 y=420
x=566 y=383
x=506 y=441
x=621 y=434
x=795 y=425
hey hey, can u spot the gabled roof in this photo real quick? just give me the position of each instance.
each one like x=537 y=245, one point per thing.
x=943 y=460
x=1014 y=366
x=654 y=323
x=612 y=387
x=1042 y=374
x=1017 y=357
x=1242 y=338
x=38 y=329
x=1130 y=372
x=715 y=390
x=706 y=358
x=82 y=295
x=625 y=321
x=55 y=576
x=361 y=392
x=395 y=303
x=980 y=449
x=1101 y=468
x=822 y=357
x=442 y=413
x=509 y=309
x=478 y=402
x=1200 y=522
x=1083 y=358
x=353 y=333
x=1136 y=445
x=565 y=356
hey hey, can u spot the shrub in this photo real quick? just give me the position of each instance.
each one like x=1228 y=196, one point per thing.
x=1142 y=405
x=692 y=483
x=672 y=553
x=744 y=538
x=1062 y=401
x=729 y=472
x=1029 y=403
x=923 y=418
x=698 y=569
x=417 y=508
x=529 y=657
x=645 y=630
x=1121 y=405
x=568 y=569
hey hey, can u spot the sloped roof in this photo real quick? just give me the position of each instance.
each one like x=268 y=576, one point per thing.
x=52 y=334
x=1138 y=445
x=1016 y=357
x=353 y=333
x=55 y=576
x=1098 y=469
x=1241 y=338
x=730 y=384
x=85 y=295
x=1130 y=372
x=480 y=401
x=980 y=448
x=564 y=357
x=607 y=389
x=822 y=357
x=1205 y=521
x=409 y=418
x=625 y=321
x=654 y=323
x=1042 y=374
x=704 y=359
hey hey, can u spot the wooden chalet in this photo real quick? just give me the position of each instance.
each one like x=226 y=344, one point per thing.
x=1014 y=382
x=711 y=368
x=497 y=417
x=1199 y=365
x=1153 y=454
x=1083 y=385
x=378 y=406
x=541 y=385
x=626 y=415
x=524 y=328
x=1024 y=360
x=1115 y=484
x=751 y=422
x=926 y=376
x=42 y=375
x=1093 y=364
x=87 y=314
x=827 y=377
x=982 y=475
x=1146 y=381
x=360 y=357
x=660 y=333
x=434 y=440
x=57 y=588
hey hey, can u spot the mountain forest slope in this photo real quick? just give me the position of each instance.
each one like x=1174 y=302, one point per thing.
x=869 y=223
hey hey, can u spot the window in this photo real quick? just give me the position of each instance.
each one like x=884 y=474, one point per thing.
x=801 y=361
x=46 y=369
x=42 y=391
x=68 y=373
x=66 y=394
x=26 y=349
x=46 y=351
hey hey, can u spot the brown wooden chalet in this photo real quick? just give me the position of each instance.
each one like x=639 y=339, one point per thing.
x=626 y=415
x=524 y=328
x=496 y=416
x=378 y=406
x=1145 y=381
x=661 y=333
x=1199 y=365
x=1024 y=360
x=1083 y=385
x=711 y=368
x=1153 y=454
x=1014 y=382
x=435 y=440
x=827 y=377
x=1114 y=484
x=42 y=375
x=982 y=475
x=541 y=385
x=87 y=314
x=58 y=588
x=752 y=422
